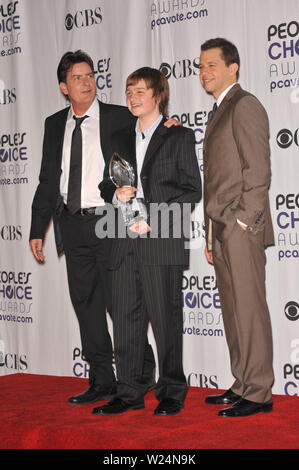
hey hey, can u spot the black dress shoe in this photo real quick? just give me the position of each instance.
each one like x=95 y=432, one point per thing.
x=93 y=394
x=226 y=398
x=168 y=407
x=246 y=408
x=116 y=406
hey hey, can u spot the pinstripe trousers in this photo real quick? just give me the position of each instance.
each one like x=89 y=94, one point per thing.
x=143 y=294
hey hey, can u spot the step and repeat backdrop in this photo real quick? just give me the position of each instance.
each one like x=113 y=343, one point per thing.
x=38 y=329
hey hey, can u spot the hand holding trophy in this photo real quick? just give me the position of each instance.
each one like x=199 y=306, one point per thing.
x=122 y=175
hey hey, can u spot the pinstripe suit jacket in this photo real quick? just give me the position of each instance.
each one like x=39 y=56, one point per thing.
x=170 y=174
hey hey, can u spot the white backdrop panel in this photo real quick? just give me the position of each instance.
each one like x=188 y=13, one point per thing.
x=38 y=328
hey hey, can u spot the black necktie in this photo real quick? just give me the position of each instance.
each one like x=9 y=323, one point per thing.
x=75 y=174
x=211 y=113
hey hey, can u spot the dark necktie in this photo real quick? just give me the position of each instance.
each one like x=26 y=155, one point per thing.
x=75 y=174
x=211 y=113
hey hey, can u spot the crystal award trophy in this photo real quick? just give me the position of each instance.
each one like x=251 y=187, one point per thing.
x=122 y=174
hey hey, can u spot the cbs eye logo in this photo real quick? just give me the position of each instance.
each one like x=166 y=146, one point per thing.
x=291 y=311
x=165 y=69
x=285 y=138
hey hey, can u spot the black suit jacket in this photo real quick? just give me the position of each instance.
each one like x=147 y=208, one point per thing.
x=47 y=202
x=170 y=174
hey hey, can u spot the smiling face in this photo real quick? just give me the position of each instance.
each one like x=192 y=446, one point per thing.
x=80 y=87
x=142 y=103
x=215 y=75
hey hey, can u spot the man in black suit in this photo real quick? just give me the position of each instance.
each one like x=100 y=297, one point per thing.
x=72 y=201
x=147 y=265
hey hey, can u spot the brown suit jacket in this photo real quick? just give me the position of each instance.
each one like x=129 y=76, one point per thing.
x=237 y=170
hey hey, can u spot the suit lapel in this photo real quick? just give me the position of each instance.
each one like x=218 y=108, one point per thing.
x=156 y=141
x=130 y=146
x=60 y=129
x=221 y=110
x=103 y=128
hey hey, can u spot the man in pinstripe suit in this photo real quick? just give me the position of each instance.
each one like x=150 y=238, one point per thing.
x=147 y=268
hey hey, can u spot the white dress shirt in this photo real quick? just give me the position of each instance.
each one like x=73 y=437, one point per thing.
x=223 y=94
x=92 y=157
x=142 y=141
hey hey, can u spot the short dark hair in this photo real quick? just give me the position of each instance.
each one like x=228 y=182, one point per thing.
x=230 y=53
x=155 y=80
x=68 y=60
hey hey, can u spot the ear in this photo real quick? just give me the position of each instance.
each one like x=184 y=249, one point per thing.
x=157 y=99
x=63 y=88
x=234 y=68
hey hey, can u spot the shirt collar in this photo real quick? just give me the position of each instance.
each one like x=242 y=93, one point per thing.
x=92 y=111
x=150 y=130
x=223 y=94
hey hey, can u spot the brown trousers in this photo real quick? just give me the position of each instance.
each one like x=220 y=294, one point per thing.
x=239 y=263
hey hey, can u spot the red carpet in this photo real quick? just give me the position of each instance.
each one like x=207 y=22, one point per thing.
x=35 y=415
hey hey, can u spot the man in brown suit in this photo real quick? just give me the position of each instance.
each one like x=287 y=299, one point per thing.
x=238 y=226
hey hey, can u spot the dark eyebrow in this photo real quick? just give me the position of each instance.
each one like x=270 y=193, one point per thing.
x=83 y=74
